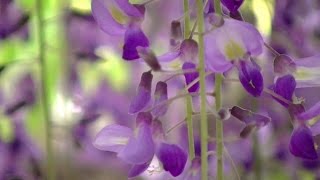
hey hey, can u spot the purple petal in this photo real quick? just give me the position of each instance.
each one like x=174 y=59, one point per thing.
x=160 y=95
x=136 y=170
x=232 y=5
x=302 y=144
x=249 y=117
x=113 y=138
x=134 y=37
x=285 y=87
x=310 y=113
x=105 y=20
x=140 y=149
x=169 y=56
x=143 y=118
x=236 y=15
x=315 y=128
x=313 y=61
x=172 y=157
x=130 y=9
x=189 y=77
x=250 y=78
x=143 y=94
x=217 y=44
x=284 y=65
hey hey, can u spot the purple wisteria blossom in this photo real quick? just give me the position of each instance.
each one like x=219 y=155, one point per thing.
x=138 y=149
x=235 y=43
x=131 y=30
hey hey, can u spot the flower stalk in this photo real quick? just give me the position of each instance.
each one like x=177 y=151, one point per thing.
x=188 y=98
x=203 y=113
x=45 y=89
x=218 y=103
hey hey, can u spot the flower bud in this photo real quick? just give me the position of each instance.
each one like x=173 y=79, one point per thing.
x=189 y=50
x=283 y=65
x=160 y=95
x=143 y=96
x=175 y=34
x=149 y=57
x=144 y=117
x=224 y=114
x=215 y=20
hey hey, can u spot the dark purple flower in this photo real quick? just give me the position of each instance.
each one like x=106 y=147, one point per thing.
x=133 y=38
x=232 y=5
x=160 y=96
x=172 y=157
x=285 y=87
x=191 y=76
x=143 y=96
x=250 y=78
x=302 y=143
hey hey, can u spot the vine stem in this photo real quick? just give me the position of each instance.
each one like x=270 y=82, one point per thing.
x=203 y=111
x=45 y=89
x=218 y=102
x=189 y=108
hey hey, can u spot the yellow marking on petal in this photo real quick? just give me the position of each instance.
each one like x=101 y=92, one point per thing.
x=176 y=64
x=118 y=15
x=233 y=50
x=303 y=73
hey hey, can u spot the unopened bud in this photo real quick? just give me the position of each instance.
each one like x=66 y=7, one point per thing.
x=176 y=30
x=216 y=20
x=189 y=50
x=247 y=131
x=144 y=117
x=224 y=114
x=149 y=57
x=283 y=65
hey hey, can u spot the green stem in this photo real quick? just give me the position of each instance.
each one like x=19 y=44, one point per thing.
x=217 y=7
x=257 y=157
x=188 y=98
x=186 y=19
x=190 y=127
x=219 y=123
x=45 y=89
x=203 y=111
x=219 y=128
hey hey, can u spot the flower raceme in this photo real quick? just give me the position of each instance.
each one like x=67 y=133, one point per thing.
x=228 y=44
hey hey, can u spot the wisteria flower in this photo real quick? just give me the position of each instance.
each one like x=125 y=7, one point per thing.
x=233 y=44
x=139 y=147
x=131 y=30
